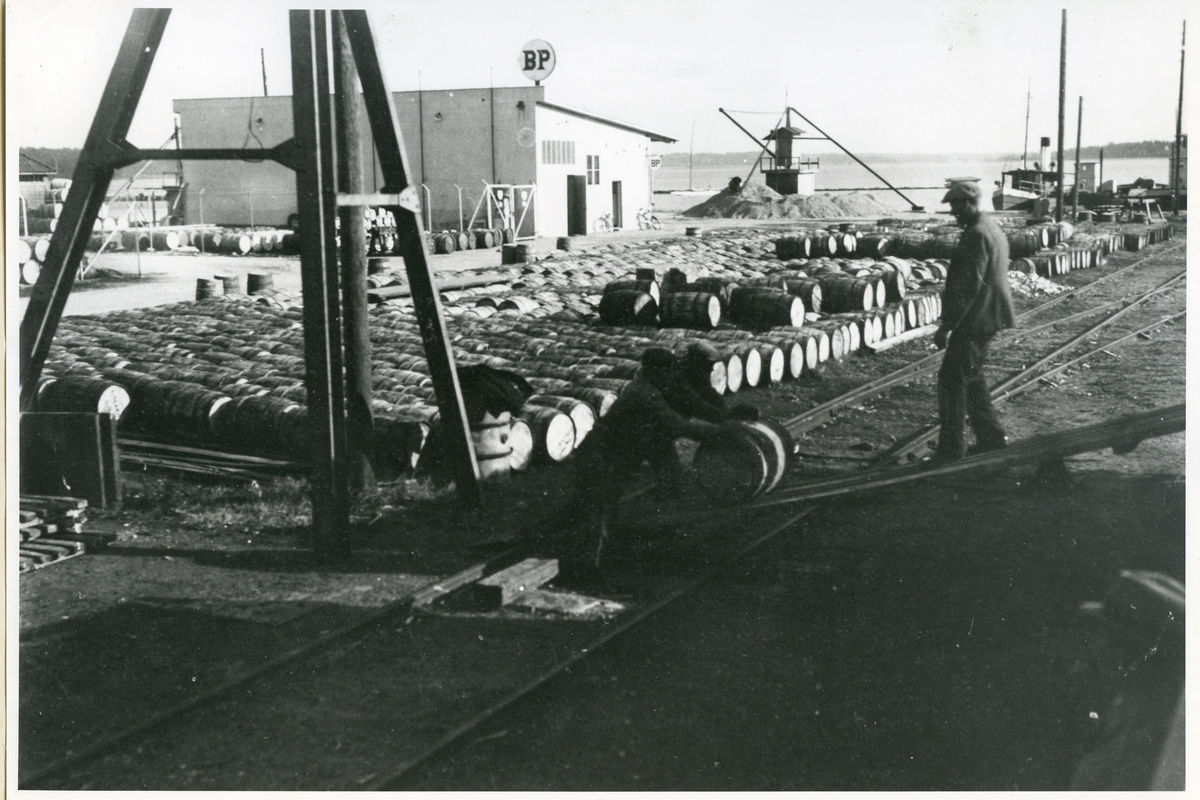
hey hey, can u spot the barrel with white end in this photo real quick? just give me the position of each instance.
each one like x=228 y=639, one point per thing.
x=581 y=413
x=520 y=440
x=745 y=462
x=553 y=432
x=77 y=393
x=490 y=438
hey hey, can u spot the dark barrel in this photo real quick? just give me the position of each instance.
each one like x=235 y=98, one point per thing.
x=628 y=307
x=746 y=465
x=690 y=310
x=765 y=308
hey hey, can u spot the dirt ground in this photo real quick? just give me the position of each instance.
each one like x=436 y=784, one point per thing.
x=858 y=613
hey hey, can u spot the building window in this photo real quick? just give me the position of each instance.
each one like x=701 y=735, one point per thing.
x=593 y=170
x=558 y=152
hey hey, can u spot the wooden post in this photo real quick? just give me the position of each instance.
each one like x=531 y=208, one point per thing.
x=1062 y=112
x=359 y=420
x=1178 y=128
x=316 y=200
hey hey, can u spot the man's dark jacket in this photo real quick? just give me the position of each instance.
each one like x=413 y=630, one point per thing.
x=976 y=302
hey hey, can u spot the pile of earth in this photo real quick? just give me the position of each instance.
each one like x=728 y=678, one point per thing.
x=756 y=201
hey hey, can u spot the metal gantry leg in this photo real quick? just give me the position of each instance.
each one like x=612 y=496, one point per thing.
x=310 y=153
x=389 y=143
x=88 y=187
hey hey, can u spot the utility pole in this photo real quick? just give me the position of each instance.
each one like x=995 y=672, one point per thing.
x=1178 y=128
x=262 y=55
x=360 y=426
x=1062 y=115
x=1079 y=137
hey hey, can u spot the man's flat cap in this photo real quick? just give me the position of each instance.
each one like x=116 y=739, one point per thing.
x=966 y=190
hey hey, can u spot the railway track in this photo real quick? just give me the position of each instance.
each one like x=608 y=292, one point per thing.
x=55 y=773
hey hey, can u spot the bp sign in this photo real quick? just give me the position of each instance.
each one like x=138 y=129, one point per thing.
x=536 y=60
x=655 y=162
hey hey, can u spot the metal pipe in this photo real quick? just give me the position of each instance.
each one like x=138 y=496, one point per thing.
x=915 y=207
x=748 y=133
x=1062 y=111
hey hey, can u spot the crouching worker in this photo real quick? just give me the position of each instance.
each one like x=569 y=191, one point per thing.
x=641 y=426
x=693 y=393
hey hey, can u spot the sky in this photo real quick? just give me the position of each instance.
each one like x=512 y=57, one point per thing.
x=919 y=76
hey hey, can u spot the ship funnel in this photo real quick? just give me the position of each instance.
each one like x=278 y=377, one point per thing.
x=1045 y=162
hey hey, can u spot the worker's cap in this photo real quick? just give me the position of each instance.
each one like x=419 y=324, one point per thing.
x=965 y=190
x=657 y=359
x=702 y=351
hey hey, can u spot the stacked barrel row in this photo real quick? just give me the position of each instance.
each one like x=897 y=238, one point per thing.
x=192 y=365
x=42 y=206
x=1150 y=234
x=224 y=375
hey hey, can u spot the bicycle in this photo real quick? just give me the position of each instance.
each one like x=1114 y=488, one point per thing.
x=647 y=221
x=603 y=224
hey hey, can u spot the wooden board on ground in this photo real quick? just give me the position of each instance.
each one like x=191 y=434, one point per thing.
x=501 y=588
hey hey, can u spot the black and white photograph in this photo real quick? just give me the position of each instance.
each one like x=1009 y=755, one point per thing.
x=601 y=396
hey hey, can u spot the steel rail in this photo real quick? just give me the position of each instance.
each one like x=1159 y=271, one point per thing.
x=385 y=781
x=442 y=586
x=911 y=443
x=819 y=414
x=404 y=606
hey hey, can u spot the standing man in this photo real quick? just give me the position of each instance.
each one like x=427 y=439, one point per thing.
x=976 y=303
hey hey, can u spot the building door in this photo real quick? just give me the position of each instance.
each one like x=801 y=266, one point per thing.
x=577 y=205
x=618 y=216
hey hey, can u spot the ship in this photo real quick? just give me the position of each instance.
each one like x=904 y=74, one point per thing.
x=1020 y=189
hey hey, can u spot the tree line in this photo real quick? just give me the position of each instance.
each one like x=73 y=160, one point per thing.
x=1156 y=148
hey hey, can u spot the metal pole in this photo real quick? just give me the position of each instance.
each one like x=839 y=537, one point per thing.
x=492 y=123
x=861 y=163
x=262 y=54
x=1079 y=138
x=316 y=200
x=360 y=424
x=1025 y=146
x=1062 y=112
x=1179 y=127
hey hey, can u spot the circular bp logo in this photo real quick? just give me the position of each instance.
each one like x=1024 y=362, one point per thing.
x=536 y=60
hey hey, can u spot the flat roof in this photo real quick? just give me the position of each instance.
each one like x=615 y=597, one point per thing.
x=654 y=137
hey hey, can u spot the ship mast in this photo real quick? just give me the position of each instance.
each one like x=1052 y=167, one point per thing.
x=1025 y=145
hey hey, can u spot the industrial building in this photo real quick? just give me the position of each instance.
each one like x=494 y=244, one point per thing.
x=553 y=170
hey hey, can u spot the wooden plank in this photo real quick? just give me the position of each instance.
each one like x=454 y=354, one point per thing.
x=907 y=336
x=501 y=588
x=560 y=602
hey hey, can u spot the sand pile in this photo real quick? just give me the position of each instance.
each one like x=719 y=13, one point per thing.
x=756 y=201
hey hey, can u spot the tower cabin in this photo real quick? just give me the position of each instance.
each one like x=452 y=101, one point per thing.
x=787 y=173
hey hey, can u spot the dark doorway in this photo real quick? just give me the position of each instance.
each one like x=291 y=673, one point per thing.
x=577 y=205
x=618 y=214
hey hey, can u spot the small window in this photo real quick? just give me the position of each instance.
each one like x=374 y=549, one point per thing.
x=558 y=152
x=593 y=170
